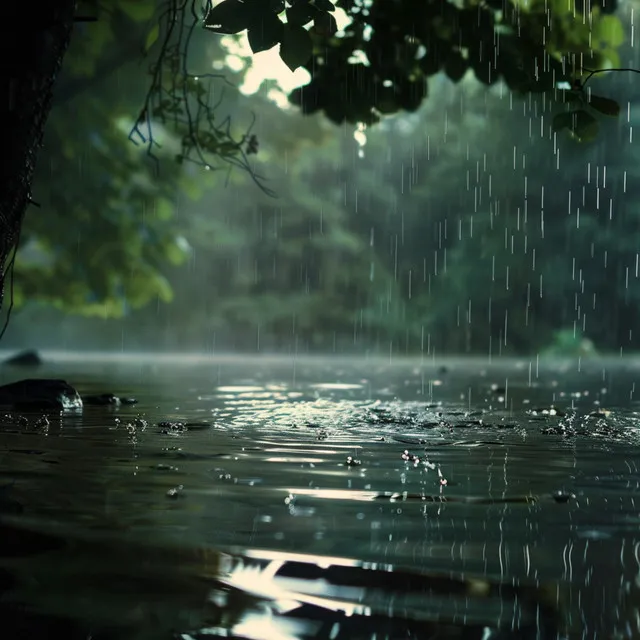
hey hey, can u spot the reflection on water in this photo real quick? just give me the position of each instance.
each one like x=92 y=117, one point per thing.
x=316 y=498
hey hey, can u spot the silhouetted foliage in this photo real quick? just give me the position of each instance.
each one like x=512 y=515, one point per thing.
x=382 y=61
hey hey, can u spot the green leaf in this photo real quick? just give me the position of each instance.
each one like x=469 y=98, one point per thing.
x=411 y=94
x=175 y=251
x=572 y=95
x=323 y=5
x=386 y=102
x=607 y=106
x=610 y=58
x=301 y=13
x=266 y=33
x=455 y=66
x=485 y=71
x=562 y=120
x=228 y=17
x=152 y=37
x=580 y=123
x=164 y=208
x=296 y=46
x=609 y=29
x=585 y=126
x=274 y=6
x=325 y=24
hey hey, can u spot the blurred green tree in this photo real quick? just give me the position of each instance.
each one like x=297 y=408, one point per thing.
x=381 y=61
x=110 y=224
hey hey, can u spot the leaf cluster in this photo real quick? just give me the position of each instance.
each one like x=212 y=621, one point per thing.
x=382 y=61
x=581 y=120
x=110 y=228
x=406 y=42
x=265 y=29
x=181 y=99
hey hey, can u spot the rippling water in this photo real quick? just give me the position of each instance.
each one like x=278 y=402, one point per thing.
x=269 y=498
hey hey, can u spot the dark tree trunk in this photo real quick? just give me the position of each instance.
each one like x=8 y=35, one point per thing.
x=33 y=40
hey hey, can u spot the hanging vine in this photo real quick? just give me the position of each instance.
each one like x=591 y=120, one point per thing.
x=181 y=99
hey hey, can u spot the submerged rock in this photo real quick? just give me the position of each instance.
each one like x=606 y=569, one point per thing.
x=40 y=394
x=28 y=358
x=108 y=399
x=102 y=400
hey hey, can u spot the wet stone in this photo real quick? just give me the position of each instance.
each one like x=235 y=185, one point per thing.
x=40 y=394
x=196 y=425
x=102 y=400
x=108 y=400
x=27 y=358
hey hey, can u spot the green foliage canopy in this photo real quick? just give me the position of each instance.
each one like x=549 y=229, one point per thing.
x=381 y=62
x=312 y=263
x=107 y=228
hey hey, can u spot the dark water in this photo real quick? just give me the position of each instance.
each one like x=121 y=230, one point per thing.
x=327 y=498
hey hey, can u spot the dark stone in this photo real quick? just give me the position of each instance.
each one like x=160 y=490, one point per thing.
x=40 y=394
x=102 y=400
x=108 y=400
x=562 y=496
x=197 y=424
x=28 y=358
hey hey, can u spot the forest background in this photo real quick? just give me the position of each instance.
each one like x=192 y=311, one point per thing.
x=460 y=227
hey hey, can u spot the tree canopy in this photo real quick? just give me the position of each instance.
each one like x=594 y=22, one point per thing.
x=382 y=59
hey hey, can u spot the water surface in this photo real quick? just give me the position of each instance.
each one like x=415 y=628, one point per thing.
x=291 y=497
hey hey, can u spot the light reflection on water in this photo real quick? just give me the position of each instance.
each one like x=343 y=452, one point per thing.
x=271 y=477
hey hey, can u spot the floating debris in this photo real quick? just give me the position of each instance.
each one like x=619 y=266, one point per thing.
x=169 y=426
x=164 y=467
x=176 y=492
x=107 y=400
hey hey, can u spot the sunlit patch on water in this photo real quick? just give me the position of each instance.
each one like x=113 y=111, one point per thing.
x=241 y=390
x=335 y=386
x=314 y=596
x=289 y=593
